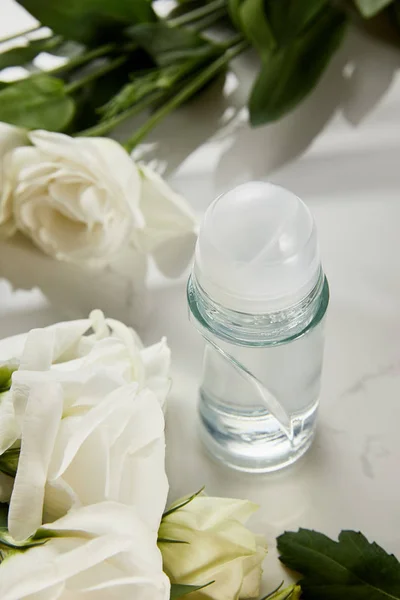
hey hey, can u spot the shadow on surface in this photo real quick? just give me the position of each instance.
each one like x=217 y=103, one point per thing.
x=20 y=320
x=354 y=83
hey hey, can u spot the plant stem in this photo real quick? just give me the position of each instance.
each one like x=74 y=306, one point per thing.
x=21 y=34
x=206 y=22
x=75 y=85
x=191 y=88
x=197 y=14
x=236 y=39
x=83 y=58
x=106 y=126
x=52 y=42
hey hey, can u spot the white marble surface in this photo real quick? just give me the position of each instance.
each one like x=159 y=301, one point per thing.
x=340 y=151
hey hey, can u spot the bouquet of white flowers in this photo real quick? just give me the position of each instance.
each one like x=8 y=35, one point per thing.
x=83 y=487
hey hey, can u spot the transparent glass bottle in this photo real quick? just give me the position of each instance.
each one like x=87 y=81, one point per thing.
x=258 y=295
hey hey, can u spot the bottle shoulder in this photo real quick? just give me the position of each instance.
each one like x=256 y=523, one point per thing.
x=258 y=330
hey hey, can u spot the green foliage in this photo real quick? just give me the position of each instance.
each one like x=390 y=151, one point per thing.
x=289 y=18
x=256 y=26
x=156 y=63
x=9 y=461
x=290 y=72
x=167 y=45
x=179 y=591
x=182 y=503
x=293 y=592
x=351 y=569
x=185 y=7
x=6 y=371
x=39 y=102
x=22 y=55
x=234 y=12
x=89 y=21
x=3 y=516
x=7 y=544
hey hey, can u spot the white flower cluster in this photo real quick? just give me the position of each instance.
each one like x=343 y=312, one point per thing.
x=84 y=414
x=83 y=486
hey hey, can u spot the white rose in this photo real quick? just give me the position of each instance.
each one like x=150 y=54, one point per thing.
x=85 y=404
x=10 y=137
x=99 y=552
x=218 y=548
x=83 y=200
x=76 y=198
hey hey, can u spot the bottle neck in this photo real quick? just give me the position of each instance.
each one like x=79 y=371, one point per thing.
x=259 y=329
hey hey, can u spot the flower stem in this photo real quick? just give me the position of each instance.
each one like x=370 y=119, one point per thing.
x=106 y=126
x=191 y=88
x=236 y=39
x=83 y=58
x=208 y=21
x=21 y=33
x=198 y=13
x=76 y=85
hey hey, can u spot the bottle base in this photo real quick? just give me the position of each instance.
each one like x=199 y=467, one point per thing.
x=253 y=442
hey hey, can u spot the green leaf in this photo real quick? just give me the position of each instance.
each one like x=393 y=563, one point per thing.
x=168 y=45
x=397 y=12
x=6 y=371
x=183 y=8
x=271 y=23
x=24 y=54
x=168 y=541
x=89 y=21
x=178 y=590
x=7 y=542
x=255 y=25
x=288 y=18
x=350 y=569
x=181 y=503
x=293 y=592
x=233 y=10
x=3 y=516
x=275 y=591
x=9 y=461
x=370 y=8
x=291 y=72
x=39 y=102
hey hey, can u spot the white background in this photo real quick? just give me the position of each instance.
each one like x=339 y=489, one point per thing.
x=339 y=151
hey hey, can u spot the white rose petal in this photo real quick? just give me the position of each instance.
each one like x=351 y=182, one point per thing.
x=170 y=225
x=38 y=350
x=9 y=427
x=156 y=361
x=103 y=552
x=39 y=430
